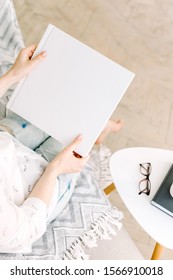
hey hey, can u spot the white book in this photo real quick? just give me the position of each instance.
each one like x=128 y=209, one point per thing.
x=73 y=91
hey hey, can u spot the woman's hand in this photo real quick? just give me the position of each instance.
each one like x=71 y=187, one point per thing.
x=66 y=161
x=24 y=65
x=21 y=68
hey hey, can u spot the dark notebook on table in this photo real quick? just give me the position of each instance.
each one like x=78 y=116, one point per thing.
x=163 y=199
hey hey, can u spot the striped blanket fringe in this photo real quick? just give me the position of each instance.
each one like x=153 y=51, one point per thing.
x=106 y=225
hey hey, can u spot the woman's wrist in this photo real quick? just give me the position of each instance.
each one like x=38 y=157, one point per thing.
x=52 y=170
x=6 y=81
x=10 y=78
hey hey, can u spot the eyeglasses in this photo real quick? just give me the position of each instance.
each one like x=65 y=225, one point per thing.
x=145 y=184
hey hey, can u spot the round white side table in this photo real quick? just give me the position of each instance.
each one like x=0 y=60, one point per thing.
x=124 y=166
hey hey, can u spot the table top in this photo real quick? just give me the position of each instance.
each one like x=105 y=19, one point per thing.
x=124 y=166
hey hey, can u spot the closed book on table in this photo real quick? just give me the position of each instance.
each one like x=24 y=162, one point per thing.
x=163 y=199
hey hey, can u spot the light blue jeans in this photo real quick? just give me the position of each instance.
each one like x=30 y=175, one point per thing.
x=31 y=136
x=48 y=147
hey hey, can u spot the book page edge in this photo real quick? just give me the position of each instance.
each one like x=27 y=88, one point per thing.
x=37 y=51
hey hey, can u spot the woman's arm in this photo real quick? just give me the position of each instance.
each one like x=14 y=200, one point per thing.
x=21 y=68
x=5 y=82
x=64 y=162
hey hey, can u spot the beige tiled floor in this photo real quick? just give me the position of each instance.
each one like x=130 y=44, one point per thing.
x=137 y=34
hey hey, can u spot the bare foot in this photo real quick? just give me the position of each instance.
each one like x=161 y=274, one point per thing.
x=112 y=126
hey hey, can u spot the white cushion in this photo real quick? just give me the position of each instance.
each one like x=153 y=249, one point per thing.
x=120 y=247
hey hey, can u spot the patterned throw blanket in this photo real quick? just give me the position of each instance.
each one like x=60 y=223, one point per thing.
x=88 y=216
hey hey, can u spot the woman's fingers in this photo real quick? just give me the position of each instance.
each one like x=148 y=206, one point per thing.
x=29 y=50
x=75 y=142
x=38 y=58
x=74 y=145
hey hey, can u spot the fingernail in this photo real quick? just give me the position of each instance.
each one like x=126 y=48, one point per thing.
x=44 y=53
x=80 y=137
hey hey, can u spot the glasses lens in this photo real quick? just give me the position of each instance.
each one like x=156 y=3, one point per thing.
x=145 y=168
x=144 y=186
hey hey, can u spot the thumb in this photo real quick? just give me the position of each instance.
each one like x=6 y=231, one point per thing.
x=38 y=58
x=76 y=142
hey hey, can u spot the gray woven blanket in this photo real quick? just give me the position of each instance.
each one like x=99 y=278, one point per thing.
x=88 y=215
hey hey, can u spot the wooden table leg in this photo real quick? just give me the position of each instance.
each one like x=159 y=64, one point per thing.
x=109 y=189
x=158 y=249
